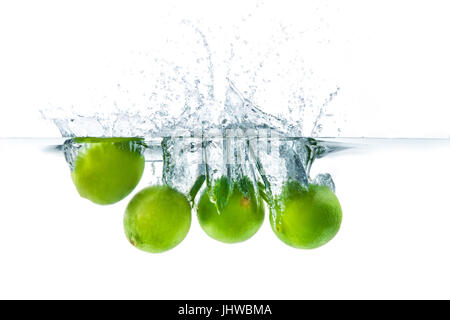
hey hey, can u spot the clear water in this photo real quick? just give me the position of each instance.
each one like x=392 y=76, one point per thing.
x=394 y=195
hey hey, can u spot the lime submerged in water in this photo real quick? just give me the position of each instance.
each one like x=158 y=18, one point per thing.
x=306 y=218
x=157 y=219
x=106 y=170
x=231 y=212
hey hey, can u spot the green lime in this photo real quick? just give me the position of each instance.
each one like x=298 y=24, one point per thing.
x=306 y=219
x=157 y=219
x=106 y=170
x=231 y=212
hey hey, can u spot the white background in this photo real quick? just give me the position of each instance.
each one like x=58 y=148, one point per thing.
x=394 y=239
x=389 y=58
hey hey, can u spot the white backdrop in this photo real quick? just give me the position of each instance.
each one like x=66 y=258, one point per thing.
x=390 y=59
x=394 y=238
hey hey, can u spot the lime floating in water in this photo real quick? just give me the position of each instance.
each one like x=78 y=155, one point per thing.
x=157 y=219
x=231 y=212
x=106 y=170
x=306 y=219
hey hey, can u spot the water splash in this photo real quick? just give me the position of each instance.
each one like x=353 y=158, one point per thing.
x=221 y=103
x=325 y=179
x=194 y=79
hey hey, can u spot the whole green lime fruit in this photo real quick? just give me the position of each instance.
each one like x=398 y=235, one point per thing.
x=157 y=219
x=106 y=170
x=231 y=212
x=306 y=218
